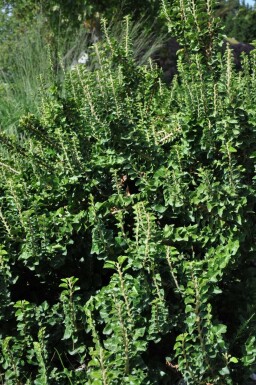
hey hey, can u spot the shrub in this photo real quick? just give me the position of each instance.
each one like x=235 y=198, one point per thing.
x=127 y=220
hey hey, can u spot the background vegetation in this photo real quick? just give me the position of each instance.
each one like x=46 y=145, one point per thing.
x=127 y=221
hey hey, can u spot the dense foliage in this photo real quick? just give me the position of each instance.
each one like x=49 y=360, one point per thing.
x=238 y=19
x=38 y=41
x=63 y=19
x=127 y=219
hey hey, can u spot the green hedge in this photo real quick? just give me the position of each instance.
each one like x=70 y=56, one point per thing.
x=127 y=220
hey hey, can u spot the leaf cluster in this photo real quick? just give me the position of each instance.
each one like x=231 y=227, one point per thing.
x=127 y=220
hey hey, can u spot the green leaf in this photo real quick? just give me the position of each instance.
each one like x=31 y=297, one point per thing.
x=224 y=371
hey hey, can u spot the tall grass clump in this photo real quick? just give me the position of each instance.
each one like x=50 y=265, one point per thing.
x=34 y=65
x=127 y=219
x=20 y=83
